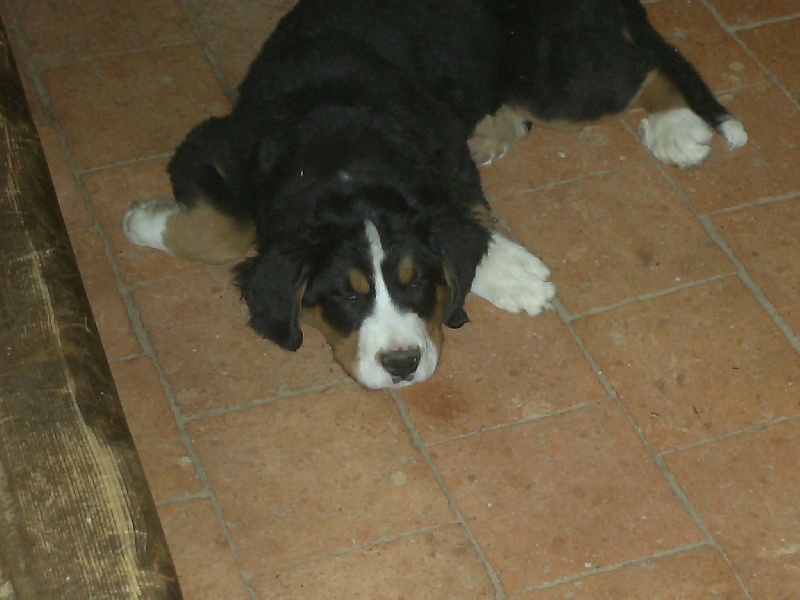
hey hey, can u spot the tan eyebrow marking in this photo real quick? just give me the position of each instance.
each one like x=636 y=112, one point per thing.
x=358 y=281
x=405 y=270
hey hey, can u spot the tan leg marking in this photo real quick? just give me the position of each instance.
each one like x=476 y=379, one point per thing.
x=657 y=94
x=483 y=216
x=206 y=235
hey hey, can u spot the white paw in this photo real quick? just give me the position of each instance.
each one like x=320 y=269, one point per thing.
x=733 y=131
x=512 y=278
x=677 y=137
x=145 y=222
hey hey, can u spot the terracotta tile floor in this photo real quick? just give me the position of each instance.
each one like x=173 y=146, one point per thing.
x=641 y=441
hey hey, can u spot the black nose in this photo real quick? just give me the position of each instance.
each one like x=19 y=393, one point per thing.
x=401 y=364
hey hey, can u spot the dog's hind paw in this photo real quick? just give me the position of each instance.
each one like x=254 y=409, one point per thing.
x=486 y=150
x=494 y=134
x=677 y=137
x=144 y=223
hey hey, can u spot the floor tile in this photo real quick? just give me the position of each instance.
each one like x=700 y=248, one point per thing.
x=501 y=368
x=206 y=568
x=440 y=563
x=696 y=364
x=693 y=29
x=776 y=47
x=108 y=307
x=235 y=31
x=613 y=236
x=765 y=167
x=701 y=573
x=193 y=297
x=170 y=472
x=748 y=12
x=767 y=241
x=70 y=199
x=315 y=474
x=581 y=487
x=77 y=30
x=746 y=489
x=133 y=106
x=548 y=156
x=221 y=363
x=112 y=192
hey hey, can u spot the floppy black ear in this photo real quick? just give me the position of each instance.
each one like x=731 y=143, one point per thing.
x=462 y=242
x=271 y=284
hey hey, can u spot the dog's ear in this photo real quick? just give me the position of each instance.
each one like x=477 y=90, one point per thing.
x=272 y=285
x=462 y=242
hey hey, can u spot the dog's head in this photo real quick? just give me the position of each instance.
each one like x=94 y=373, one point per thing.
x=379 y=284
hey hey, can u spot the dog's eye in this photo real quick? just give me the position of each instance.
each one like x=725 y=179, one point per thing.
x=352 y=296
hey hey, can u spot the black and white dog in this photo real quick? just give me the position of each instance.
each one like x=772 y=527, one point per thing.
x=350 y=157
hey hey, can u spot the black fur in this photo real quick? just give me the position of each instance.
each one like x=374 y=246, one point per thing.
x=361 y=109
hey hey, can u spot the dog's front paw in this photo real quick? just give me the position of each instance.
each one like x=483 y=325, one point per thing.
x=513 y=279
x=144 y=223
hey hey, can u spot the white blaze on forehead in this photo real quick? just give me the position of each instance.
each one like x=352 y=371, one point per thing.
x=388 y=328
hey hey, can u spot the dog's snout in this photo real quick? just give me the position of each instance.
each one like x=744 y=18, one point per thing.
x=401 y=364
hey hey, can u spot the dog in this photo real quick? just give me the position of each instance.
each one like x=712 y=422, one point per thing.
x=350 y=160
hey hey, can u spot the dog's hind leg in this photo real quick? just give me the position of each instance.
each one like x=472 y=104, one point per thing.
x=675 y=133
x=681 y=108
x=671 y=130
x=200 y=232
x=495 y=134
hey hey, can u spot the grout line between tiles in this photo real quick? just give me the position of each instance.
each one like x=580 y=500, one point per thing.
x=712 y=9
x=228 y=89
x=556 y=184
x=733 y=28
x=264 y=402
x=123 y=163
x=203 y=494
x=761 y=202
x=523 y=421
x=419 y=444
x=635 y=561
x=651 y=296
x=751 y=284
x=731 y=434
x=672 y=481
x=771 y=21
